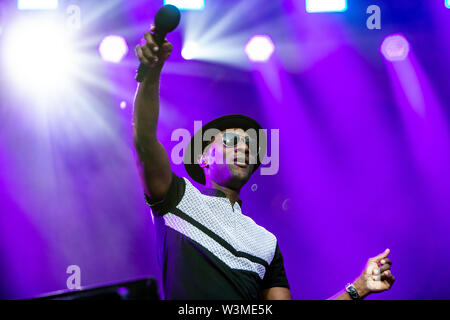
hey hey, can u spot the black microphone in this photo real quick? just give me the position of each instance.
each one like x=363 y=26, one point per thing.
x=166 y=20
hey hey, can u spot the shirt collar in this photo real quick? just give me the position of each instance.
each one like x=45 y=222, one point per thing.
x=217 y=193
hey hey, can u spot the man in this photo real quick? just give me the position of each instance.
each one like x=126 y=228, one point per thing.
x=207 y=248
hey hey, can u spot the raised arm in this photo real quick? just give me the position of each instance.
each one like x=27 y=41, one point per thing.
x=152 y=159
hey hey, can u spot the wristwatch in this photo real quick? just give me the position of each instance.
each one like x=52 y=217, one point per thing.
x=350 y=288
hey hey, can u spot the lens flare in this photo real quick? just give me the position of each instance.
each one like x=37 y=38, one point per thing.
x=190 y=50
x=259 y=48
x=39 y=53
x=113 y=48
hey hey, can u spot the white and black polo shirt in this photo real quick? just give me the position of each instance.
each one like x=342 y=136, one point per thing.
x=208 y=249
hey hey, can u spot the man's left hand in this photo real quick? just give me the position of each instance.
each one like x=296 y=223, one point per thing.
x=377 y=275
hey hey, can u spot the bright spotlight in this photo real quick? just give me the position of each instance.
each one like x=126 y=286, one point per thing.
x=37 y=4
x=113 y=48
x=447 y=3
x=190 y=50
x=326 y=5
x=38 y=53
x=187 y=4
x=395 y=47
x=259 y=48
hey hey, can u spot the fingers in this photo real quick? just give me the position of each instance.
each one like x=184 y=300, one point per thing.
x=151 y=44
x=150 y=53
x=140 y=55
x=385 y=267
x=388 y=276
x=381 y=256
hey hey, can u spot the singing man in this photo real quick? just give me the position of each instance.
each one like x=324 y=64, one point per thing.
x=207 y=247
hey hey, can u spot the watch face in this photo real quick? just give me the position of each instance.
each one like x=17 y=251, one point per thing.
x=352 y=291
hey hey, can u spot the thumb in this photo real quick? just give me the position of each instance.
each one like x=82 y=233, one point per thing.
x=382 y=255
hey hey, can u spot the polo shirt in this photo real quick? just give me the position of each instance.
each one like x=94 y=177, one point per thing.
x=208 y=249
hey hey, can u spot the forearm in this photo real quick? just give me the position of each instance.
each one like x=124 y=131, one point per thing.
x=146 y=107
x=344 y=295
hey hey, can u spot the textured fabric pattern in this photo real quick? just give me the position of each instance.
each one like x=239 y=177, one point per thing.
x=228 y=223
x=190 y=231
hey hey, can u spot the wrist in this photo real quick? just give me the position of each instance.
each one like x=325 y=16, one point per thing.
x=361 y=287
x=154 y=74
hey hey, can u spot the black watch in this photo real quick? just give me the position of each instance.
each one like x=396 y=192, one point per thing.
x=350 y=288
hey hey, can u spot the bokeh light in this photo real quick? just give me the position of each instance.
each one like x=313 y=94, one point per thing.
x=113 y=48
x=395 y=47
x=259 y=48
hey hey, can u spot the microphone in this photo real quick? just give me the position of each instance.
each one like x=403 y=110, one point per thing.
x=166 y=20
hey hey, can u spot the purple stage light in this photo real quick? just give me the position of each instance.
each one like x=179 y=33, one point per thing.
x=259 y=48
x=395 y=47
x=113 y=48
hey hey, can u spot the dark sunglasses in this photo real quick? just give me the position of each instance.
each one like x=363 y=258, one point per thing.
x=231 y=140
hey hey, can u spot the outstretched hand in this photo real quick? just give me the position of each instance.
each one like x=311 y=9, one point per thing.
x=377 y=275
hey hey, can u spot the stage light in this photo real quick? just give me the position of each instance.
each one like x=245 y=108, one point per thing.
x=326 y=5
x=113 y=48
x=259 y=48
x=123 y=105
x=395 y=47
x=190 y=50
x=447 y=3
x=187 y=4
x=51 y=59
x=37 y=4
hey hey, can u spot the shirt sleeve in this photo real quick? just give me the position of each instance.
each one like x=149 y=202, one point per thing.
x=276 y=275
x=172 y=198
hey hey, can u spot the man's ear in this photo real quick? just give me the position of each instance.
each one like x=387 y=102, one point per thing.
x=202 y=162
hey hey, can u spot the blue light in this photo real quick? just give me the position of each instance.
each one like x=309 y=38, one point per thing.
x=37 y=4
x=187 y=4
x=326 y=5
x=447 y=3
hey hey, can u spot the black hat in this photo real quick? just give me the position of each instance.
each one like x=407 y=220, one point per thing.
x=223 y=123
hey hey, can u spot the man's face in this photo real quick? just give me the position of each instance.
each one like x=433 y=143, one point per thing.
x=231 y=162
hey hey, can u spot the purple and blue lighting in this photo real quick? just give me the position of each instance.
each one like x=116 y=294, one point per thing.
x=395 y=47
x=363 y=131
x=113 y=48
x=259 y=48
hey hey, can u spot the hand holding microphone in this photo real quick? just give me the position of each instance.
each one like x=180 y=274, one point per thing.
x=150 y=53
x=155 y=49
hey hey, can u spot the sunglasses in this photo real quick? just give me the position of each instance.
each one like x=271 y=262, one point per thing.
x=231 y=140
